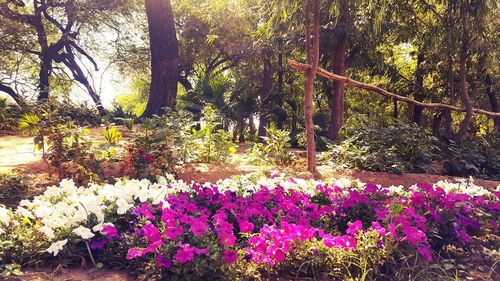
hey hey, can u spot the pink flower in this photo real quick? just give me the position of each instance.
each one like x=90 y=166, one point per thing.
x=151 y=233
x=424 y=252
x=246 y=227
x=378 y=228
x=144 y=210
x=134 y=253
x=230 y=256
x=184 y=255
x=227 y=239
x=110 y=231
x=354 y=228
x=198 y=228
x=97 y=245
x=163 y=262
x=174 y=231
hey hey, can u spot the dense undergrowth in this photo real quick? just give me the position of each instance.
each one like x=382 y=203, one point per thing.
x=409 y=148
x=253 y=227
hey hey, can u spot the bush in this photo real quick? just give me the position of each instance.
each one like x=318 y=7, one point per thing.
x=479 y=157
x=213 y=144
x=273 y=150
x=402 y=148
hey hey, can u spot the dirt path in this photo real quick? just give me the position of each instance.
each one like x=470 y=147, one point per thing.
x=16 y=151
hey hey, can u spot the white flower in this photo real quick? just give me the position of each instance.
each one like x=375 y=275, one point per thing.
x=83 y=232
x=56 y=247
x=123 y=206
x=24 y=213
x=49 y=232
x=4 y=216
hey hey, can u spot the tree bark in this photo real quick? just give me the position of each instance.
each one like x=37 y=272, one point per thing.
x=419 y=87
x=395 y=110
x=164 y=57
x=9 y=91
x=312 y=50
x=69 y=60
x=360 y=85
x=337 y=98
x=493 y=100
x=267 y=84
x=464 y=91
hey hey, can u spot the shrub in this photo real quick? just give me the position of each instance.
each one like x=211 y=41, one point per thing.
x=402 y=148
x=213 y=143
x=273 y=150
x=479 y=157
x=13 y=187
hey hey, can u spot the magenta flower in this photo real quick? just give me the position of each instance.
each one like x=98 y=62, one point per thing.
x=97 y=245
x=354 y=228
x=110 y=231
x=151 y=233
x=133 y=253
x=174 y=231
x=230 y=256
x=378 y=228
x=424 y=252
x=198 y=227
x=246 y=227
x=184 y=255
x=163 y=262
x=144 y=210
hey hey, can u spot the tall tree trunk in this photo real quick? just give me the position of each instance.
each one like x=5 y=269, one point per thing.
x=436 y=122
x=337 y=98
x=493 y=100
x=395 y=110
x=241 y=138
x=251 y=126
x=419 y=94
x=312 y=50
x=44 y=77
x=450 y=89
x=267 y=84
x=464 y=91
x=279 y=101
x=164 y=57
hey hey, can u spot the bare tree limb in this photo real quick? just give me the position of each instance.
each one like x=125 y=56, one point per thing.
x=331 y=76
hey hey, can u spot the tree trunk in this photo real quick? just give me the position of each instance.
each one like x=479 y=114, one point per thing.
x=264 y=95
x=436 y=122
x=450 y=89
x=395 y=110
x=493 y=100
x=419 y=87
x=312 y=50
x=251 y=126
x=241 y=138
x=9 y=91
x=44 y=77
x=464 y=91
x=164 y=57
x=337 y=98
x=78 y=75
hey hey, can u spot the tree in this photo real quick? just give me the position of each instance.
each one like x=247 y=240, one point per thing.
x=50 y=30
x=312 y=51
x=164 y=57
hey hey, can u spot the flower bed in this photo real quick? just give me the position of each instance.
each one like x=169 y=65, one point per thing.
x=246 y=226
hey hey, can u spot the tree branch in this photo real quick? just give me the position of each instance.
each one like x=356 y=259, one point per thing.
x=334 y=77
